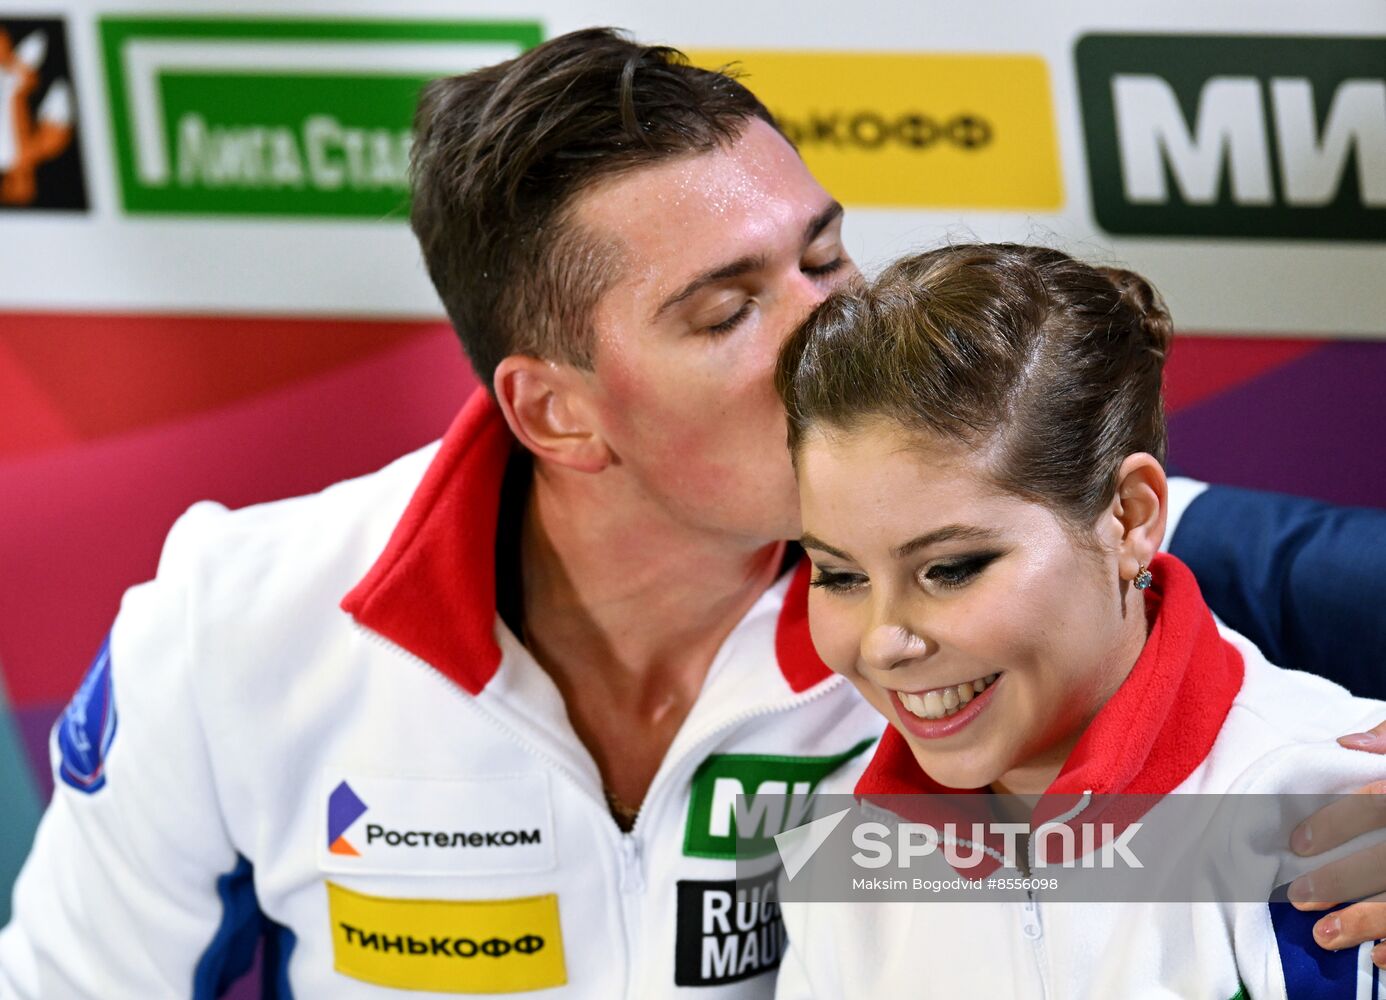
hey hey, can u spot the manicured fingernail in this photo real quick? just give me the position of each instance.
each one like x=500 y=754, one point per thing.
x=1327 y=929
x=1299 y=840
x=1358 y=741
x=1301 y=890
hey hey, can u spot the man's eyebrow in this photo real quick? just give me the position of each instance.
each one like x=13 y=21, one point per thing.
x=809 y=541
x=745 y=265
x=951 y=533
x=738 y=267
x=822 y=221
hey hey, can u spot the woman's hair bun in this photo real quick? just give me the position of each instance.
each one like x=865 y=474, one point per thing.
x=1137 y=295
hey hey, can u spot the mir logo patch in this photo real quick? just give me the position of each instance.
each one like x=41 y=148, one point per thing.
x=777 y=790
x=40 y=155
x=727 y=931
x=1266 y=137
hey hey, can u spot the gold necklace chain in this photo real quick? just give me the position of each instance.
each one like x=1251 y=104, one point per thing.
x=622 y=813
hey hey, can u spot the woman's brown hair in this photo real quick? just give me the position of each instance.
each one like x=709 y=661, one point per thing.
x=1049 y=366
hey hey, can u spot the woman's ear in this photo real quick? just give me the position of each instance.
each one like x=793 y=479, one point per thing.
x=1136 y=518
x=548 y=412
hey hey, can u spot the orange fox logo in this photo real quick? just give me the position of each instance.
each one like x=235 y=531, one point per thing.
x=27 y=140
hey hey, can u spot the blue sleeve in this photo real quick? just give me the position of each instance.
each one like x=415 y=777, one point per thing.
x=1312 y=972
x=1300 y=578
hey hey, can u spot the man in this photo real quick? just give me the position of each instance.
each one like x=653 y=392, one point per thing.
x=567 y=637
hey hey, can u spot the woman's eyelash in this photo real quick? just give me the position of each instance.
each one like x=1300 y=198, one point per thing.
x=836 y=583
x=960 y=571
x=957 y=573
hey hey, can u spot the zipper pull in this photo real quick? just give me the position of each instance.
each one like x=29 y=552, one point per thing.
x=1030 y=924
x=632 y=874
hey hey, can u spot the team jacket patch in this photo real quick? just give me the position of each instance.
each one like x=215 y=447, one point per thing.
x=380 y=824
x=778 y=792
x=727 y=931
x=446 y=945
x=88 y=726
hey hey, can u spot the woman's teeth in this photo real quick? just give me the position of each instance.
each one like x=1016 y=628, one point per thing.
x=943 y=702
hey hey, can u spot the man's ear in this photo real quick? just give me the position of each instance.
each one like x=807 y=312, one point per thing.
x=1135 y=522
x=548 y=412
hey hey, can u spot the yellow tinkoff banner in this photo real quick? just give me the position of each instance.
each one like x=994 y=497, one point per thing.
x=447 y=946
x=907 y=130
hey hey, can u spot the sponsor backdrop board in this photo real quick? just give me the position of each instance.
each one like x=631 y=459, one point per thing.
x=1235 y=152
x=208 y=289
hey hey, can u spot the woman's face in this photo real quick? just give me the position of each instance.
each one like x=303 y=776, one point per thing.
x=970 y=618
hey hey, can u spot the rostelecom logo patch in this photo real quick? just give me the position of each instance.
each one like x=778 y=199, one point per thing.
x=344 y=807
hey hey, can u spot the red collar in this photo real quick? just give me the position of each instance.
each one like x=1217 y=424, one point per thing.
x=1155 y=730
x=433 y=588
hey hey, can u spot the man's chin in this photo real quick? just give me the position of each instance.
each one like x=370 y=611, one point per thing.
x=766 y=525
x=791 y=528
x=789 y=523
x=754 y=520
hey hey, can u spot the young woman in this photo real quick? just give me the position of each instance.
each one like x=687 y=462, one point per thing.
x=978 y=436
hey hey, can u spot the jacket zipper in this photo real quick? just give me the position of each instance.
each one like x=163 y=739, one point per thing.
x=628 y=844
x=1031 y=926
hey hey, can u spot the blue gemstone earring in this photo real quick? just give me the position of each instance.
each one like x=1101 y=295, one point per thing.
x=1143 y=578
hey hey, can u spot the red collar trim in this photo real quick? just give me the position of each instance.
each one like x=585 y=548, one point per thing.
x=1158 y=727
x=799 y=661
x=432 y=590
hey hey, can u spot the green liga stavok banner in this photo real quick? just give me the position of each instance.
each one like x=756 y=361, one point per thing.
x=295 y=118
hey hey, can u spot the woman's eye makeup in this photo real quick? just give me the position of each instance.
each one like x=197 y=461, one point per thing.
x=946 y=575
x=834 y=582
x=961 y=571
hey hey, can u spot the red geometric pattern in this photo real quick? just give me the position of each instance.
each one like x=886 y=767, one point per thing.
x=1200 y=367
x=152 y=414
x=73 y=377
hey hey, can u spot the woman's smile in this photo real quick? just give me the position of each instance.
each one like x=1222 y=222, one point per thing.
x=938 y=712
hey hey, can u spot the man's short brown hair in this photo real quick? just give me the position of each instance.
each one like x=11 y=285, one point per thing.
x=499 y=156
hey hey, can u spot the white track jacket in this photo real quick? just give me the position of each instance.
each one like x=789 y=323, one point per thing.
x=312 y=726
x=312 y=729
